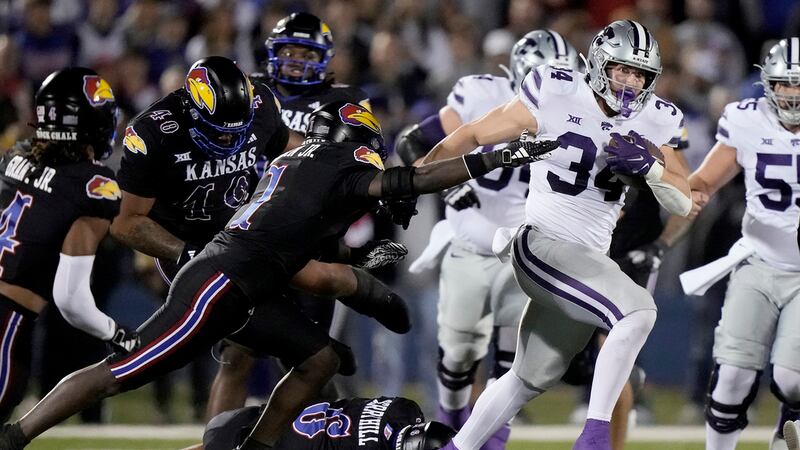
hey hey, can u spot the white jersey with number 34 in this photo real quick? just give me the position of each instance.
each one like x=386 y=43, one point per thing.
x=574 y=196
x=770 y=158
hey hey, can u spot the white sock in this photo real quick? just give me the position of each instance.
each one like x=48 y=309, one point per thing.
x=495 y=407
x=733 y=385
x=615 y=361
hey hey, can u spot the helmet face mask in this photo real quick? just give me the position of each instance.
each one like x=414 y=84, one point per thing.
x=219 y=101
x=628 y=43
x=541 y=47
x=299 y=30
x=424 y=436
x=780 y=76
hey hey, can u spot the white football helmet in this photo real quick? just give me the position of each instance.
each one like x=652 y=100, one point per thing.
x=783 y=64
x=541 y=47
x=623 y=42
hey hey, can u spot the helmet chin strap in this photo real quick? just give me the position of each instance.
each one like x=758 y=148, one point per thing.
x=626 y=96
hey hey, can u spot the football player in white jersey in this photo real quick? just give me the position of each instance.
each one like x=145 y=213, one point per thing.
x=760 y=317
x=478 y=295
x=559 y=254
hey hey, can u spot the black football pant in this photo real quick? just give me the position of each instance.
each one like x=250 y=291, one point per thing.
x=16 y=331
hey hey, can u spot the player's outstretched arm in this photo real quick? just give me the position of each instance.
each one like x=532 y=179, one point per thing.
x=501 y=124
x=407 y=182
x=71 y=288
x=718 y=168
x=133 y=228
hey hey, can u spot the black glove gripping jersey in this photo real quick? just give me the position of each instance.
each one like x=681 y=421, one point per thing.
x=296 y=109
x=360 y=423
x=40 y=204
x=195 y=195
x=308 y=196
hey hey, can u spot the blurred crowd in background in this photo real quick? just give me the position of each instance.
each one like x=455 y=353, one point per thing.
x=406 y=54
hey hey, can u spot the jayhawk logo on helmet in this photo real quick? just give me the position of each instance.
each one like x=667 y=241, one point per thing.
x=133 y=142
x=359 y=116
x=101 y=187
x=97 y=90
x=366 y=155
x=199 y=88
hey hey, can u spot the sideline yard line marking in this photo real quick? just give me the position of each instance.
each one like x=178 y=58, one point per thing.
x=532 y=433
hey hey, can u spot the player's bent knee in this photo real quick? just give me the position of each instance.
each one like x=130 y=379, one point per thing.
x=785 y=386
x=641 y=321
x=462 y=347
x=743 y=383
x=458 y=376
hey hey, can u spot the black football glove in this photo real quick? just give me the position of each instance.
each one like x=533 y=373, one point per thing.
x=189 y=251
x=376 y=254
x=523 y=151
x=400 y=210
x=461 y=197
x=124 y=339
x=644 y=259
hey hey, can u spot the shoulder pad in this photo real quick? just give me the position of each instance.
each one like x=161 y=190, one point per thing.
x=741 y=111
x=101 y=184
x=559 y=81
x=665 y=112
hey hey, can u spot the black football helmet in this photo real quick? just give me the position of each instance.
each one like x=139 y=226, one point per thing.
x=424 y=436
x=219 y=99
x=77 y=105
x=305 y=30
x=346 y=122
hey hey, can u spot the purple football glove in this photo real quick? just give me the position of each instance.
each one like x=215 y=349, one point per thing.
x=629 y=155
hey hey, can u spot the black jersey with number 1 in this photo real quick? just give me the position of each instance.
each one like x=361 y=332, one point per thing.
x=40 y=204
x=308 y=196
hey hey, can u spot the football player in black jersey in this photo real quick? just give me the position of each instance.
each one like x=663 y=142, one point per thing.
x=58 y=203
x=190 y=162
x=308 y=197
x=299 y=50
x=354 y=424
x=297 y=55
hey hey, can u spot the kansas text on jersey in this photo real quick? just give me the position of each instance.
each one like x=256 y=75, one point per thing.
x=194 y=195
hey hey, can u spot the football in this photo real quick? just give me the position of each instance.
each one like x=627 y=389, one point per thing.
x=638 y=182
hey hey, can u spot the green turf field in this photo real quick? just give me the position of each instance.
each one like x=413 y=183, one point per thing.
x=101 y=444
x=105 y=444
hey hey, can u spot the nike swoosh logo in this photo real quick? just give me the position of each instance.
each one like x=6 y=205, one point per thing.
x=639 y=158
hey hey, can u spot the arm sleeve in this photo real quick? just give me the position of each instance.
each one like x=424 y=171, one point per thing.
x=357 y=183
x=73 y=296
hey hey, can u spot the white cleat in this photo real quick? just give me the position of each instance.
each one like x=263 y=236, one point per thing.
x=777 y=443
x=791 y=432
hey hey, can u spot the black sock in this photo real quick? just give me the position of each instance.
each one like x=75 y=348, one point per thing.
x=11 y=435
